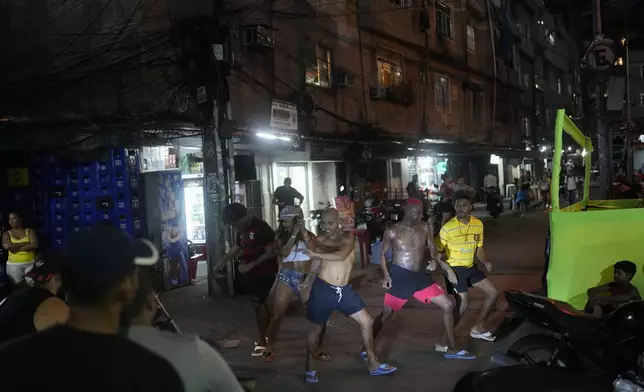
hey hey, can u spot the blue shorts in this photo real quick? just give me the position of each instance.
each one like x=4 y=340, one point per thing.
x=292 y=279
x=326 y=298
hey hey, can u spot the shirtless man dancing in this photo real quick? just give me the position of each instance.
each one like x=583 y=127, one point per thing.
x=333 y=262
x=409 y=240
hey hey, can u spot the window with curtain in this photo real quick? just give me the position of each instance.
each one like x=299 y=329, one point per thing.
x=390 y=71
x=318 y=73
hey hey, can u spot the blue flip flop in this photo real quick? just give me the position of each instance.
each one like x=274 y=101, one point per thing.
x=364 y=356
x=463 y=354
x=383 y=370
x=311 y=377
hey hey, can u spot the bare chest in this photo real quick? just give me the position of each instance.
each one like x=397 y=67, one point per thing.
x=410 y=238
x=327 y=245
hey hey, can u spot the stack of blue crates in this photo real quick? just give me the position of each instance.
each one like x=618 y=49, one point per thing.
x=81 y=194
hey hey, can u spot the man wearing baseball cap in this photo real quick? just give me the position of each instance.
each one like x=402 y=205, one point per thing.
x=100 y=274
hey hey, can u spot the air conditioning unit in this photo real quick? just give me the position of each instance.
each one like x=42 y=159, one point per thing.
x=378 y=92
x=258 y=35
x=341 y=79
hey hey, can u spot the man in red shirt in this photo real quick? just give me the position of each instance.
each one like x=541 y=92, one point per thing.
x=258 y=261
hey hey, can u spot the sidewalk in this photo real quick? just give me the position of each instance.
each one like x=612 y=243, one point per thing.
x=515 y=247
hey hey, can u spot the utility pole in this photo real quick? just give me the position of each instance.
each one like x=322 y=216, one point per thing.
x=205 y=70
x=627 y=108
x=603 y=146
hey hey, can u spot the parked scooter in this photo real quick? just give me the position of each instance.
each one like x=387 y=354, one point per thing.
x=603 y=346
x=493 y=202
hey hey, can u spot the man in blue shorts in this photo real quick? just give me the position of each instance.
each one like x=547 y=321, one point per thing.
x=331 y=291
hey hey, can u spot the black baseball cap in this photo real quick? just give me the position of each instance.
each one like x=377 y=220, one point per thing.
x=100 y=257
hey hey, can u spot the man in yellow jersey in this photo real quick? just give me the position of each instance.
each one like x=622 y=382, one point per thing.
x=460 y=239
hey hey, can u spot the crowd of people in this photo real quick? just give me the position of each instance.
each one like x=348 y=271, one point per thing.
x=274 y=266
x=93 y=304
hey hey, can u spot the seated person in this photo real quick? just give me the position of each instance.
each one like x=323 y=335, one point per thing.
x=606 y=298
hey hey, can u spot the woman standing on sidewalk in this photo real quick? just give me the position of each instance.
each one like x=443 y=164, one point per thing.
x=21 y=243
x=291 y=241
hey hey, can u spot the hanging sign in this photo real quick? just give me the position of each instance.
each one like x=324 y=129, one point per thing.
x=283 y=115
x=601 y=56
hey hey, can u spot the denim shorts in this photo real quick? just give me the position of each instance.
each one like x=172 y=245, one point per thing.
x=292 y=279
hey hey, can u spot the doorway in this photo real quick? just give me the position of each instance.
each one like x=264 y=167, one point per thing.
x=299 y=180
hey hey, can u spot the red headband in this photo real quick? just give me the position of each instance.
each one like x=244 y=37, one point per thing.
x=414 y=202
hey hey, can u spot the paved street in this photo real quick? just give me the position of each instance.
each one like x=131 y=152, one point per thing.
x=514 y=245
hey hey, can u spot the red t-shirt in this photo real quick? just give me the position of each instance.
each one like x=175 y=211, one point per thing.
x=254 y=241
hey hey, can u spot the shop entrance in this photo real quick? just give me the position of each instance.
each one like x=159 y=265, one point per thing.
x=299 y=180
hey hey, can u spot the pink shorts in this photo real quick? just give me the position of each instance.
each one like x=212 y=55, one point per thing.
x=425 y=296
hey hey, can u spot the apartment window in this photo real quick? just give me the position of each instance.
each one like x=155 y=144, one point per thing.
x=390 y=71
x=520 y=27
x=443 y=20
x=642 y=71
x=525 y=122
x=471 y=39
x=443 y=93
x=476 y=106
x=569 y=88
x=641 y=99
x=526 y=79
x=558 y=85
x=550 y=37
x=401 y=3
x=319 y=72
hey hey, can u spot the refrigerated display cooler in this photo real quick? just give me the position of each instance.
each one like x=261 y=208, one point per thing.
x=194 y=205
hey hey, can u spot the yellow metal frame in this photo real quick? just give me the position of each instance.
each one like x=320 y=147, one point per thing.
x=564 y=123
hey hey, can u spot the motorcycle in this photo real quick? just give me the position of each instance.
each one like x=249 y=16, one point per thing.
x=493 y=201
x=603 y=346
x=534 y=378
x=373 y=218
x=394 y=213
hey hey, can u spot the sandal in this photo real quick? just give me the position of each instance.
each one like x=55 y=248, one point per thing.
x=311 y=376
x=323 y=356
x=487 y=335
x=439 y=348
x=258 y=351
x=363 y=355
x=463 y=354
x=382 y=370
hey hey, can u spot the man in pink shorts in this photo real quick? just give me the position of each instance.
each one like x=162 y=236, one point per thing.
x=409 y=241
